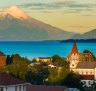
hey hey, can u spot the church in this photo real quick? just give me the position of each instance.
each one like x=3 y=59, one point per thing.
x=86 y=69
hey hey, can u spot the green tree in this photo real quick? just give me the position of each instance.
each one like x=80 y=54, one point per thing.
x=34 y=60
x=92 y=56
x=72 y=80
x=56 y=75
x=19 y=66
x=57 y=60
x=34 y=78
x=37 y=73
x=9 y=60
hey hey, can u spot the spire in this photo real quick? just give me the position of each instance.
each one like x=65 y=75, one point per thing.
x=74 y=49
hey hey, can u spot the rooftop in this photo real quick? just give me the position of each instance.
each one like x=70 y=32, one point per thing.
x=44 y=57
x=45 y=88
x=87 y=65
x=87 y=77
x=74 y=49
x=6 y=79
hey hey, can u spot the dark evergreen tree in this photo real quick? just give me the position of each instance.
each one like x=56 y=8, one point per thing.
x=9 y=60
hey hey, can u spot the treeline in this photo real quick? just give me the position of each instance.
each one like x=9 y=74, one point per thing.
x=80 y=40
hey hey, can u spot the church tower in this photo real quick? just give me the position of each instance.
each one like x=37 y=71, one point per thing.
x=73 y=57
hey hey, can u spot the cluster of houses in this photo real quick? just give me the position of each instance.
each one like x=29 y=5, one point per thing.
x=80 y=63
x=10 y=83
x=86 y=70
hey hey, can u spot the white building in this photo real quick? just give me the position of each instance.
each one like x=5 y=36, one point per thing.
x=86 y=69
x=87 y=72
x=43 y=59
x=9 y=83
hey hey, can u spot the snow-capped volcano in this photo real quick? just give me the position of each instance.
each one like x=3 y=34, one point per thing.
x=14 y=11
x=15 y=25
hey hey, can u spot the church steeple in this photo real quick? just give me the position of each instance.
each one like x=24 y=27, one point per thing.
x=73 y=57
x=74 y=49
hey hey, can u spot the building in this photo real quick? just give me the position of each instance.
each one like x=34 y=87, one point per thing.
x=9 y=83
x=87 y=72
x=86 y=57
x=2 y=59
x=86 y=69
x=52 y=66
x=44 y=59
x=73 y=57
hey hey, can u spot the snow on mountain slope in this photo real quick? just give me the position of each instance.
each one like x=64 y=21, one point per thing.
x=16 y=12
x=17 y=25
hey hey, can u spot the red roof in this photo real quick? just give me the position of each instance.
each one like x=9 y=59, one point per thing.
x=45 y=88
x=6 y=79
x=74 y=49
x=87 y=77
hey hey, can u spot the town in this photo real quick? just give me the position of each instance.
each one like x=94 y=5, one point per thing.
x=77 y=71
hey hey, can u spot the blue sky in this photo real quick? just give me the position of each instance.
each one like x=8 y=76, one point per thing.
x=69 y=15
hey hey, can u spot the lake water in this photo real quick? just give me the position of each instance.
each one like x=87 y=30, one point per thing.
x=43 y=49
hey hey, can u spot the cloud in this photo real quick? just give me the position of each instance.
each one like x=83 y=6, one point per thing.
x=81 y=26
x=47 y=6
x=65 y=6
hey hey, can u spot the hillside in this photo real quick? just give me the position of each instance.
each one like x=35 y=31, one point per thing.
x=15 y=25
x=88 y=35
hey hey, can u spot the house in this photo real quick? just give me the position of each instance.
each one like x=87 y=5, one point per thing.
x=52 y=66
x=2 y=59
x=43 y=59
x=9 y=83
x=87 y=72
x=86 y=57
x=32 y=64
x=86 y=69
x=46 y=88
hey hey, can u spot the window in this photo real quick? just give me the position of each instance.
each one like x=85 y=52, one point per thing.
x=15 y=88
x=20 y=88
x=84 y=82
x=72 y=64
x=1 y=89
x=24 y=87
x=87 y=72
x=89 y=83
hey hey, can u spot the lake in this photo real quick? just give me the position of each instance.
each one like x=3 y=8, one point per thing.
x=43 y=49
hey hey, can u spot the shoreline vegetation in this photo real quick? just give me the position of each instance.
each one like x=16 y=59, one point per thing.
x=72 y=40
x=61 y=41
x=80 y=40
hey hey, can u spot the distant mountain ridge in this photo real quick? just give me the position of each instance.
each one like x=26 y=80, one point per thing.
x=88 y=35
x=15 y=25
x=78 y=40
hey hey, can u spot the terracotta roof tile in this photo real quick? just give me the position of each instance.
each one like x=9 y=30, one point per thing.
x=6 y=79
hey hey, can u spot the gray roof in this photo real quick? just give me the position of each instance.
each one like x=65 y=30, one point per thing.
x=87 y=65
